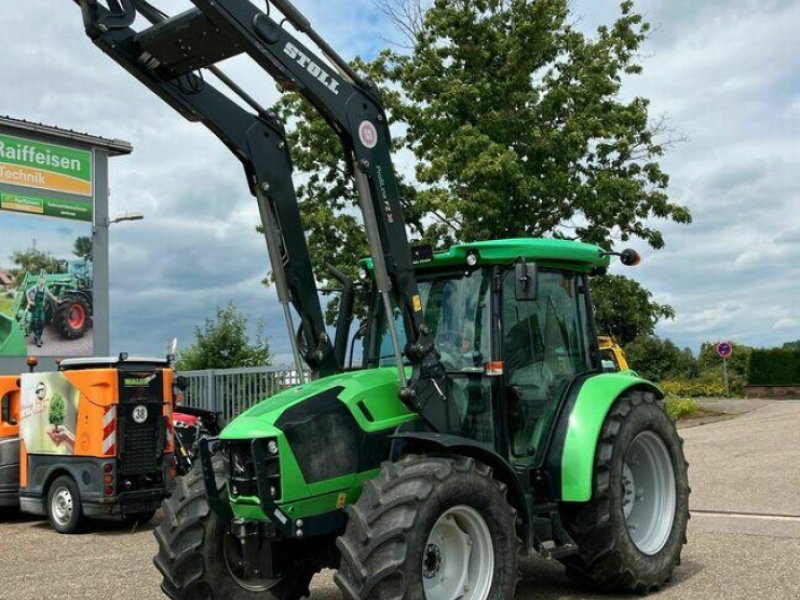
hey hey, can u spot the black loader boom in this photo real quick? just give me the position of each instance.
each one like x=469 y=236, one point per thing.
x=257 y=139
x=168 y=55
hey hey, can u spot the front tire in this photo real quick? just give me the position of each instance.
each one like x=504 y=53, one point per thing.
x=438 y=528
x=64 y=507
x=192 y=556
x=630 y=535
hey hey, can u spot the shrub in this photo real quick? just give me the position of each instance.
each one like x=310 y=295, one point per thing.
x=680 y=408
x=774 y=366
x=709 y=384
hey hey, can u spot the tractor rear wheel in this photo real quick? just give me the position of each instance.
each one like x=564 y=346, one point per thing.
x=194 y=556
x=72 y=318
x=438 y=528
x=630 y=535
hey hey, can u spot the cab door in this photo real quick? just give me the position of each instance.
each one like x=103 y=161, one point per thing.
x=546 y=342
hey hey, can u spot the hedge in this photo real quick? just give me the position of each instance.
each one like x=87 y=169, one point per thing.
x=774 y=366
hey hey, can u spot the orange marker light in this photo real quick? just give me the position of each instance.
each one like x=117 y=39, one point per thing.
x=494 y=368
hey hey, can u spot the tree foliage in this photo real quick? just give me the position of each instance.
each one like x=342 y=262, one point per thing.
x=512 y=111
x=625 y=310
x=658 y=359
x=34 y=261
x=516 y=124
x=223 y=343
x=82 y=247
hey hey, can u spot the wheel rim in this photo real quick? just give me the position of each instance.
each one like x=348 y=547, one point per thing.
x=648 y=493
x=232 y=551
x=61 y=506
x=458 y=562
x=76 y=316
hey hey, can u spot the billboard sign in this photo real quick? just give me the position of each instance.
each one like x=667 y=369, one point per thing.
x=46 y=255
x=45 y=166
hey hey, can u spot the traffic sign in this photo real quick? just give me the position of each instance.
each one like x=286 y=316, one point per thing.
x=724 y=349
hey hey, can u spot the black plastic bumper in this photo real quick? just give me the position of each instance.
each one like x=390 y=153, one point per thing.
x=288 y=526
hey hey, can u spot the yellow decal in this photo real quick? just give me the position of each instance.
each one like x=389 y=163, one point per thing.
x=340 y=503
x=417 y=303
x=44 y=180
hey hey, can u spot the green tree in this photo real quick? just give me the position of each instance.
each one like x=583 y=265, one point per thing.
x=82 y=247
x=34 y=261
x=518 y=128
x=57 y=411
x=658 y=358
x=223 y=343
x=626 y=310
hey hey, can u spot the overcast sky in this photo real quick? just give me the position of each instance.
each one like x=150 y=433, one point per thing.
x=725 y=72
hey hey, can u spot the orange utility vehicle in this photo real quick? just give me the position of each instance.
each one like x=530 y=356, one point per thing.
x=93 y=439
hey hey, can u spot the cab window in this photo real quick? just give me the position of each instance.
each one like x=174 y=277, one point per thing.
x=546 y=343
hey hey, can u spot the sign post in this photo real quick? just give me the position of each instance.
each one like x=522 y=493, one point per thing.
x=724 y=351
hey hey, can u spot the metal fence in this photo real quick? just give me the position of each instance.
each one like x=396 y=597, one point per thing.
x=232 y=391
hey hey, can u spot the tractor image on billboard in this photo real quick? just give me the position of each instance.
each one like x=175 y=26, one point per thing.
x=68 y=306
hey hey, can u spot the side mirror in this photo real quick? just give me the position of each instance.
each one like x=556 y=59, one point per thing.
x=182 y=383
x=630 y=257
x=526 y=281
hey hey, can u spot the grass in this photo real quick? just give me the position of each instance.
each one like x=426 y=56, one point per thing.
x=683 y=408
x=5 y=304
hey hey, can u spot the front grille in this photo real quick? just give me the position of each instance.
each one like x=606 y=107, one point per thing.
x=243 y=477
x=142 y=443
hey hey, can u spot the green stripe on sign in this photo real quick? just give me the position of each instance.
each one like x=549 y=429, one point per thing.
x=46 y=157
x=49 y=207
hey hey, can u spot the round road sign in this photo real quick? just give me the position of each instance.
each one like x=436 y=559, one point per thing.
x=724 y=349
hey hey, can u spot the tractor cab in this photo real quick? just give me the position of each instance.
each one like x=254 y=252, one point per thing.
x=512 y=322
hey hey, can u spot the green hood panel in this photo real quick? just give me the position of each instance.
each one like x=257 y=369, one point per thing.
x=594 y=401
x=376 y=388
x=370 y=396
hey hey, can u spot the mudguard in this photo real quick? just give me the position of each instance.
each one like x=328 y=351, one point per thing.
x=570 y=459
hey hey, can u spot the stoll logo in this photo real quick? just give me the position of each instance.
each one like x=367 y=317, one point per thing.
x=321 y=74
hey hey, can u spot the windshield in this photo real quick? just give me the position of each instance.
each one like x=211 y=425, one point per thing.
x=456 y=308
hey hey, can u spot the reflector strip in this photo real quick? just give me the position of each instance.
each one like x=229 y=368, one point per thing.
x=110 y=431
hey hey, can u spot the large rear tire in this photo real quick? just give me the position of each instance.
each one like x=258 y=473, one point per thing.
x=438 y=528
x=192 y=557
x=72 y=318
x=631 y=533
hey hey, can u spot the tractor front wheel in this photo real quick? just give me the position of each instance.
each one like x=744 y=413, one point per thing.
x=197 y=554
x=630 y=535
x=438 y=528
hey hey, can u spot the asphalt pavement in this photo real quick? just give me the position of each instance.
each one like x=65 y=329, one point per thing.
x=744 y=537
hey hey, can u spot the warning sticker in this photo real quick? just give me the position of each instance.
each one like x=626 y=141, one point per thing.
x=342 y=500
x=368 y=134
x=417 y=303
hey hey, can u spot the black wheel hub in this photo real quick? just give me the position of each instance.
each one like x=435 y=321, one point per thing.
x=432 y=562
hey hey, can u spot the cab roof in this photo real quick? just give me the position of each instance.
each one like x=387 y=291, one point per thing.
x=576 y=255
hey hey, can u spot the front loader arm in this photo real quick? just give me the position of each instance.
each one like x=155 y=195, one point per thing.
x=258 y=141
x=353 y=110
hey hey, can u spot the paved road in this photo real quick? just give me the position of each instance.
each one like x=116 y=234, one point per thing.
x=747 y=464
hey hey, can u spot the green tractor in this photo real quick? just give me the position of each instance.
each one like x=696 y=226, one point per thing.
x=71 y=316
x=480 y=424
